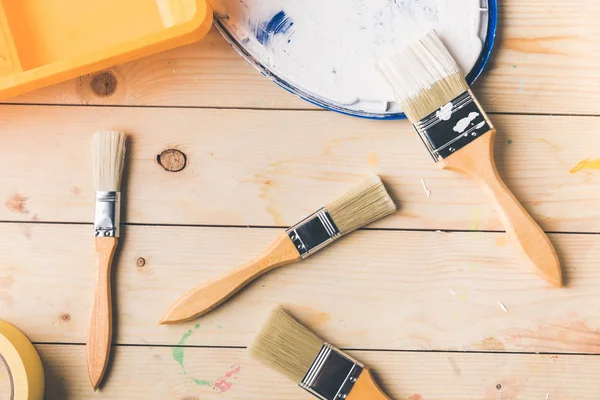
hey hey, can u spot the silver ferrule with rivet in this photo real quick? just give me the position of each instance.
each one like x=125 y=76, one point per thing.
x=108 y=214
x=332 y=374
x=453 y=126
x=313 y=233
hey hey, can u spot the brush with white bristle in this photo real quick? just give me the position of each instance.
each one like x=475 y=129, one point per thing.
x=365 y=203
x=458 y=134
x=108 y=157
x=289 y=348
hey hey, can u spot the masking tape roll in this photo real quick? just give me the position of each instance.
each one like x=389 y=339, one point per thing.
x=23 y=362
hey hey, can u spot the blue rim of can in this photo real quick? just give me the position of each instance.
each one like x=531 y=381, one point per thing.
x=488 y=47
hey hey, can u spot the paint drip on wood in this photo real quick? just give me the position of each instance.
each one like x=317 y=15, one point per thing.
x=221 y=384
x=327 y=50
x=586 y=164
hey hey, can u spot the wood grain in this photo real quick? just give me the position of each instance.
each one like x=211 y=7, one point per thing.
x=438 y=315
x=422 y=290
x=152 y=373
x=232 y=178
x=545 y=62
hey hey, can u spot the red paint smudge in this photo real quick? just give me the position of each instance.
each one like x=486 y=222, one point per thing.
x=221 y=385
x=554 y=357
x=415 y=397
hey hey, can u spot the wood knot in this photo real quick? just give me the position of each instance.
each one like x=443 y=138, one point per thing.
x=104 y=84
x=140 y=262
x=65 y=317
x=172 y=160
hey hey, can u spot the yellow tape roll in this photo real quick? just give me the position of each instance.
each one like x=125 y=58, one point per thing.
x=23 y=362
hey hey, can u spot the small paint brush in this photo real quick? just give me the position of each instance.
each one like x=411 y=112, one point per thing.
x=458 y=134
x=365 y=203
x=108 y=156
x=288 y=347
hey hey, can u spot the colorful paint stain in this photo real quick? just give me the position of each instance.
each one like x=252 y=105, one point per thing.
x=280 y=23
x=221 y=384
x=586 y=164
x=201 y=382
x=415 y=397
x=179 y=351
x=373 y=160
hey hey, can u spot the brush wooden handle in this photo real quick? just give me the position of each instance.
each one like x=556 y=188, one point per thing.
x=100 y=331
x=476 y=160
x=366 y=388
x=211 y=294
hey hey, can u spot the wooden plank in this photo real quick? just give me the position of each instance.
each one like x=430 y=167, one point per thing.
x=545 y=62
x=272 y=168
x=152 y=373
x=430 y=291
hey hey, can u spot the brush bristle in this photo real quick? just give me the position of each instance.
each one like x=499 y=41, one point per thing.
x=424 y=77
x=285 y=345
x=108 y=157
x=365 y=203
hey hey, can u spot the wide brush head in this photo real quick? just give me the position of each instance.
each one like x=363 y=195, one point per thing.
x=424 y=77
x=286 y=346
x=108 y=157
x=365 y=203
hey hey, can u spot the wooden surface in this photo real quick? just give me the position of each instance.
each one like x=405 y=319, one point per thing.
x=433 y=298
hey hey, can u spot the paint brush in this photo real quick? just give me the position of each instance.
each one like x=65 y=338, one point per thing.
x=458 y=134
x=288 y=347
x=108 y=156
x=365 y=203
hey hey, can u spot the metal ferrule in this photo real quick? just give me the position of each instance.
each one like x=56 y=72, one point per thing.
x=332 y=374
x=108 y=214
x=314 y=233
x=453 y=126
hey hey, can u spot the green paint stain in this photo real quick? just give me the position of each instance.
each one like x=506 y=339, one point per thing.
x=197 y=326
x=509 y=141
x=219 y=326
x=514 y=66
x=178 y=352
x=201 y=382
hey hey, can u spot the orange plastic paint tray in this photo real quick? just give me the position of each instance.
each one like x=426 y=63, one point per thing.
x=43 y=42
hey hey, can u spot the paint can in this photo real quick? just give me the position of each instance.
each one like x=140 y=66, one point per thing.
x=325 y=51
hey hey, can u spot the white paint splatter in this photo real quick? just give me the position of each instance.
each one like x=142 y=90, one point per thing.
x=452 y=292
x=502 y=306
x=547 y=396
x=427 y=191
x=336 y=44
x=464 y=123
x=445 y=112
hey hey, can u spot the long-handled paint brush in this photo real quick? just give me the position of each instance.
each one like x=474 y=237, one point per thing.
x=459 y=135
x=108 y=153
x=365 y=203
x=288 y=347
